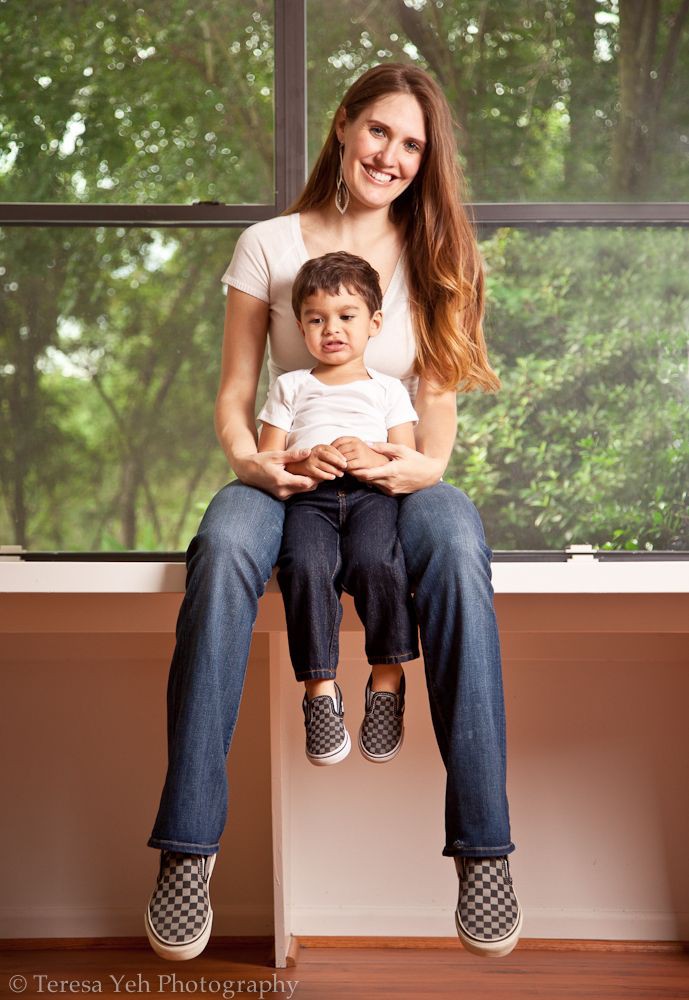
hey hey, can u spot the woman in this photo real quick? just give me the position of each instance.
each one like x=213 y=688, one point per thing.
x=386 y=187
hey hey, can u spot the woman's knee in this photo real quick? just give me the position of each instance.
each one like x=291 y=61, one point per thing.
x=441 y=521
x=240 y=524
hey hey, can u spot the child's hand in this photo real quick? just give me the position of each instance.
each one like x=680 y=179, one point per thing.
x=358 y=454
x=324 y=462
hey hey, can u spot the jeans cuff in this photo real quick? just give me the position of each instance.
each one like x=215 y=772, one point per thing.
x=315 y=675
x=395 y=658
x=477 y=852
x=183 y=847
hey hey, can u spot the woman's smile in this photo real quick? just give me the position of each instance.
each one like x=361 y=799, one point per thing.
x=377 y=175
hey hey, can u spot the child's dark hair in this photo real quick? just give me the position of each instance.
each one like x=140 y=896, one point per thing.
x=334 y=271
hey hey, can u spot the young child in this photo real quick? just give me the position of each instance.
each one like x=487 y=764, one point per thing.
x=342 y=535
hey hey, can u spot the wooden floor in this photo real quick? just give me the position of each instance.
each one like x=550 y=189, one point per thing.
x=326 y=973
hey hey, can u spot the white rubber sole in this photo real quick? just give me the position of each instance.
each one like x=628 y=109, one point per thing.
x=181 y=952
x=490 y=949
x=335 y=757
x=380 y=758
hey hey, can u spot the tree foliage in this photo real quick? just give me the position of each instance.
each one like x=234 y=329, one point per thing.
x=110 y=337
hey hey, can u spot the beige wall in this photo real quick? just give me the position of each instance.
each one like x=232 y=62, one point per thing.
x=598 y=763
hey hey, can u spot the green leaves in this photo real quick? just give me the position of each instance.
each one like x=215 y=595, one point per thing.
x=587 y=442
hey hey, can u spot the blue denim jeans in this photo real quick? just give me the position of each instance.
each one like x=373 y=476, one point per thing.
x=229 y=562
x=343 y=536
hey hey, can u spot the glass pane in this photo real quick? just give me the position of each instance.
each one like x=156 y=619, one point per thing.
x=110 y=345
x=587 y=441
x=556 y=102
x=137 y=101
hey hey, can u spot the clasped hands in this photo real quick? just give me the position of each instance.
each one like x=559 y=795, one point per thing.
x=327 y=461
x=393 y=468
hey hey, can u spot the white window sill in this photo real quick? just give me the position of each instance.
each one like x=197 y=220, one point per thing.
x=580 y=574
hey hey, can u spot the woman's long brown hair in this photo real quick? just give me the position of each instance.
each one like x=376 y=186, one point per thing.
x=444 y=264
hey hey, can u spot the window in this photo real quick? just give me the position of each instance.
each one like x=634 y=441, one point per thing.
x=139 y=138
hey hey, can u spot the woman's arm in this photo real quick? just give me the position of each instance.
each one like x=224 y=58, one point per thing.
x=244 y=342
x=410 y=469
x=437 y=427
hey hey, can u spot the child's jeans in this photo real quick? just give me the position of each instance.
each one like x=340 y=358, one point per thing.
x=343 y=536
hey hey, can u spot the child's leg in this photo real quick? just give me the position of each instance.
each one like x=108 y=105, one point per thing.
x=375 y=574
x=309 y=567
x=386 y=676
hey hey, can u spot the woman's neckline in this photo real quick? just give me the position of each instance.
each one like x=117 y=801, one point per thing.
x=296 y=216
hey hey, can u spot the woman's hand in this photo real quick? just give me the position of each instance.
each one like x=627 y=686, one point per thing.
x=324 y=462
x=267 y=471
x=406 y=471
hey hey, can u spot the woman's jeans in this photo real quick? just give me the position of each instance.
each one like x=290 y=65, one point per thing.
x=229 y=562
x=343 y=536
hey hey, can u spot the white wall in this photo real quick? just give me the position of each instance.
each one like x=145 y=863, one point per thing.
x=598 y=763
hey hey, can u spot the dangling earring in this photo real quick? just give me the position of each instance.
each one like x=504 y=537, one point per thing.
x=342 y=193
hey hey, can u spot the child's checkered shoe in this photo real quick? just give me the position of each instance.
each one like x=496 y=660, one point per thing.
x=382 y=731
x=488 y=914
x=327 y=739
x=179 y=914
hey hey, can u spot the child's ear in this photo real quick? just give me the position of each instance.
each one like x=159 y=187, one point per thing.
x=376 y=323
x=301 y=328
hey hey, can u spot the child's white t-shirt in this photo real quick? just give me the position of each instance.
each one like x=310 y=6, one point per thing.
x=315 y=413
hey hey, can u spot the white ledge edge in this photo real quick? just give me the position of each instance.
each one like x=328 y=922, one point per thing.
x=579 y=575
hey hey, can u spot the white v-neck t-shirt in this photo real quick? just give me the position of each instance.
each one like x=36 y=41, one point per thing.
x=266 y=259
x=313 y=412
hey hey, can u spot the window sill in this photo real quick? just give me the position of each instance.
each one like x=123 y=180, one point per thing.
x=572 y=573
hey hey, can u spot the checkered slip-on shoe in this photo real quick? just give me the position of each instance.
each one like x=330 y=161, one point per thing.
x=179 y=914
x=382 y=731
x=488 y=914
x=327 y=739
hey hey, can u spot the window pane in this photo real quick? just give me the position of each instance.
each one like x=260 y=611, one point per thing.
x=137 y=101
x=555 y=102
x=110 y=345
x=587 y=440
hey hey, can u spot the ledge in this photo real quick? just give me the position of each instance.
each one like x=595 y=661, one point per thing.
x=579 y=573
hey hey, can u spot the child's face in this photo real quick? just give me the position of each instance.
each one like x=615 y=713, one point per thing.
x=337 y=328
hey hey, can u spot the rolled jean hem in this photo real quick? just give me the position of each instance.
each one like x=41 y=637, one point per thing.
x=478 y=852
x=315 y=675
x=396 y=658
x=182 y=847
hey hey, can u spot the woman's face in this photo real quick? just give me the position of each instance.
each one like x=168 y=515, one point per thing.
x=383 y=149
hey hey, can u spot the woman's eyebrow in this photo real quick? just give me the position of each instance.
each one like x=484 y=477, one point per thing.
x=377 y=121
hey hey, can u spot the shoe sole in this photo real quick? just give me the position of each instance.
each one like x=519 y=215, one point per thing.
x=380 y=758
x=490 y=949
x=181 y=952
x=335 y=757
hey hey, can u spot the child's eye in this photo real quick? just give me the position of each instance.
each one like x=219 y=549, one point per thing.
x=346 y=317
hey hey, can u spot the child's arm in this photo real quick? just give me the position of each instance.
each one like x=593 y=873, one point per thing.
x=402 y=434
x=324 y=462
x=272 y=438
x=358 y=454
